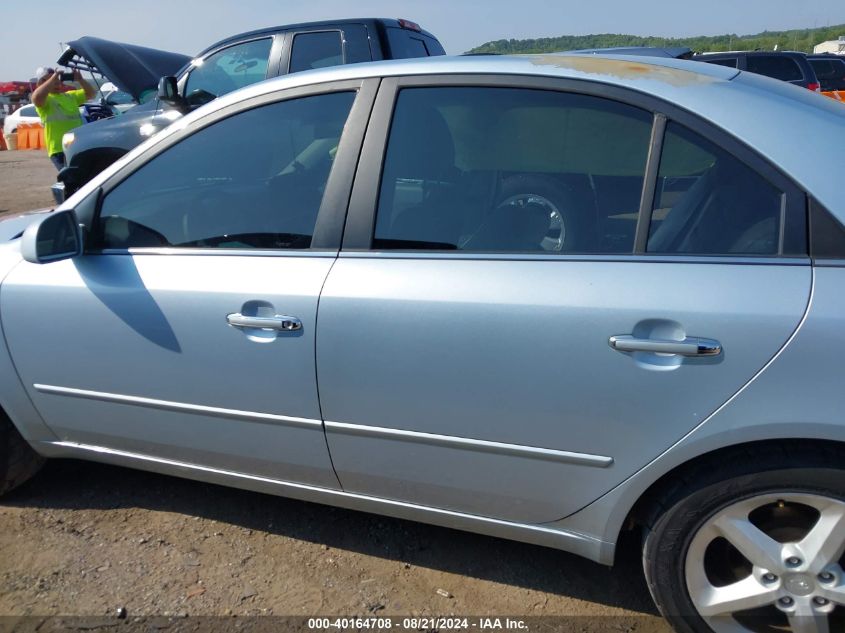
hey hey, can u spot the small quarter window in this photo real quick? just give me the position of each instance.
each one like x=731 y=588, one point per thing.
x=707 y=202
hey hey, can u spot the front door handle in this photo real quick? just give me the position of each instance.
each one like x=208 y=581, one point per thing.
x=690 y=346
x=278 y=322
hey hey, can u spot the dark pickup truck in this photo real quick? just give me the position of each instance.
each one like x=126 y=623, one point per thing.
x=168 y=85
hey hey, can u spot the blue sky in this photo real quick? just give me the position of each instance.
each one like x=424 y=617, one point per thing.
x=32 y=31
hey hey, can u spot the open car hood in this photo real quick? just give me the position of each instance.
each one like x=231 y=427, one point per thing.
x=133 y=69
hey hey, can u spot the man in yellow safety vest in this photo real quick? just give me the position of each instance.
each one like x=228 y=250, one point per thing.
x=59 y=111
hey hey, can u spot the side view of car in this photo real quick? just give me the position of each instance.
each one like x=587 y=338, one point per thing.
x=549 y=298
x=232 y=63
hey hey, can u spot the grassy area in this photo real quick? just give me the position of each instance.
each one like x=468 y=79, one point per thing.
x=794 y=40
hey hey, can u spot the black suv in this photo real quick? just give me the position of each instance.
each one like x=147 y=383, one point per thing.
x=232 y=63
x=786 y=66
x=830 y=69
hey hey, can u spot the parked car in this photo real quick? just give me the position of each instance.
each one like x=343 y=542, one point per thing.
x=232 y=63
x=26 y=114
x=830 y=70
x=784 y=65
x=559 y=297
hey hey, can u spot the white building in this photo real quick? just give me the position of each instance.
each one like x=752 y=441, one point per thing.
x=832 y=46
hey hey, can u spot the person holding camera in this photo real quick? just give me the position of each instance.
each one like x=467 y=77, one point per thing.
x=59 y=111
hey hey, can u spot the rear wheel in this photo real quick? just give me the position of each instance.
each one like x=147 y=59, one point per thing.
x=18 y=462
x=759 y=551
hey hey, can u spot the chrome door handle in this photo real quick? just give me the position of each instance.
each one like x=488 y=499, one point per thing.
x=690 y=346
x=278 y=322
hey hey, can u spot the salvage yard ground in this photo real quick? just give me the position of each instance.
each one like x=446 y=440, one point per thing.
x=88 y=539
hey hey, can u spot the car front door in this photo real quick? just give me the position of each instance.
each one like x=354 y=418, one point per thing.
x=227 y=69
x=186 y=331
x=541 y=289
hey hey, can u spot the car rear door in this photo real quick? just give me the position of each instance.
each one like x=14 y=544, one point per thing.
x=186 y=331
x=544 y=285
x=325 y=45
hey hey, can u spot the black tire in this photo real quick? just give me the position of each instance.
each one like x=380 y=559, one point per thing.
x=578 y=226
x=18 y=462
x=696 y=496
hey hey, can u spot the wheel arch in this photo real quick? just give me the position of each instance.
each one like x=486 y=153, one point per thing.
x=774 y=453
x=641 y=497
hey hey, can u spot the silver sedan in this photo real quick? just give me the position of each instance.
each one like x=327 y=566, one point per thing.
x=548 y=298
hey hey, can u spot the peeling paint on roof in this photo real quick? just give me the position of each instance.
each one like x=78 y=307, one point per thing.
x=623 y=69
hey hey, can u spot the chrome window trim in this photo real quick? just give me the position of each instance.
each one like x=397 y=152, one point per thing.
x=480 y=446
x=744 y=260
x=229 y=252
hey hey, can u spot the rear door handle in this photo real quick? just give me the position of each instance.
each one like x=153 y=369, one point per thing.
x=278 y=322
x=690 y=346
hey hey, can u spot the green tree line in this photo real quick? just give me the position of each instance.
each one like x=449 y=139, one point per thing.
x=794 y=40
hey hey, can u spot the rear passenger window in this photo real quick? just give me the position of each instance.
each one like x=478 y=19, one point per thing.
x=709 y=203
x=512 y=170
x=316 y=50
x=783 y=68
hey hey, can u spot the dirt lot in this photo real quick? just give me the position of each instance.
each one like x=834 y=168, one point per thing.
x=25 y=179
x=88 y=539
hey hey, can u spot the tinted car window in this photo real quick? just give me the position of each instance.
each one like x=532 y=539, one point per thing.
x=730 y=62
x=405 y=44
x=227 y=70
x=709 y=203
x=316 y=50
x=830 y=73
x=499 y=169
x=779 y=67
x=254 y=180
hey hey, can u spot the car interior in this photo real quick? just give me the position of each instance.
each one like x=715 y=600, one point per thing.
x=523 y=171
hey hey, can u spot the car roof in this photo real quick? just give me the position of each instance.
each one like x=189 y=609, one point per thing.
x=759 y=111
x=389 y=22
x=678 y=52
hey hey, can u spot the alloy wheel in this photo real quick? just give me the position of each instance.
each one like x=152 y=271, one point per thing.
x=769 y=562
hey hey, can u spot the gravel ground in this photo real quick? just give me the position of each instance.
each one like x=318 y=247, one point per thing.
x=87 y=539
x=25 y=179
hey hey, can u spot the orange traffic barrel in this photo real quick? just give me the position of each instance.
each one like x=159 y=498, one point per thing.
x=23 y=136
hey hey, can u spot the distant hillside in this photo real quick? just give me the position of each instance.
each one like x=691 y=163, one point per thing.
x=796 y=40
